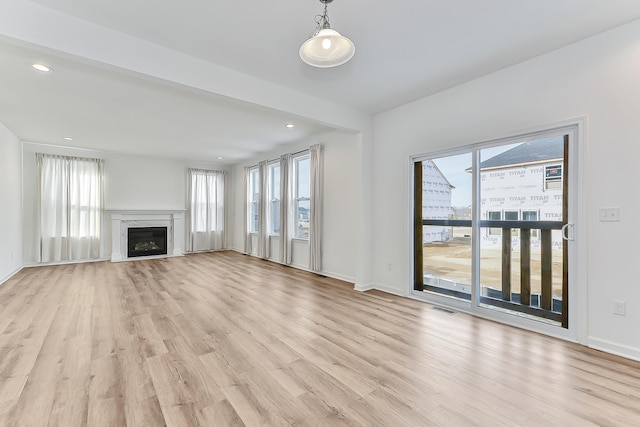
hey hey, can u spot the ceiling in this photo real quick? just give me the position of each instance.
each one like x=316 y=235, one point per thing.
x=405 y=50
x=110 y=111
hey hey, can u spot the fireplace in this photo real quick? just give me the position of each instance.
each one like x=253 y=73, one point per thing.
x=146 y=241
x=123 y=220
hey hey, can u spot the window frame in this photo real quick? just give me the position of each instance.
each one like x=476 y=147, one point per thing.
x=297 y=197
x=274 y=197
x=254 y=200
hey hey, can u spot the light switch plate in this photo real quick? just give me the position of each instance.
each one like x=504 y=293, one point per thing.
x=609 y=214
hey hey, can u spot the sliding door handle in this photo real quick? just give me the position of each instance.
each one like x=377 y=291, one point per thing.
x=565 y=231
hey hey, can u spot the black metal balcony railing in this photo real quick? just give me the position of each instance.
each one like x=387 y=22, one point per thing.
x=522 y=302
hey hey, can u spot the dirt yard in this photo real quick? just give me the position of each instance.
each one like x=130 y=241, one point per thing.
x=452 y=261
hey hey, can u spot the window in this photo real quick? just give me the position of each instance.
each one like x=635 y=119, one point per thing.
x=552 y=177
x=254 y=195
x=274 y=197
x=531 y=216
x=70 y=207
x=302 y=200
x=494 y=216
x=266 y=202
x=512 y=216
x=206 y=210
x=202 y=198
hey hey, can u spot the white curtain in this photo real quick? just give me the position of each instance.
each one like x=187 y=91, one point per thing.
x=315 y=213
x=263 y=210
x=206 y=210
x=247 y=208
x=70 y=205
x=287 y=213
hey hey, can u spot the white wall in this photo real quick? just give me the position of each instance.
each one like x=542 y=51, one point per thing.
x=341 y=206
x=131 y=182
x=10 y=204
x=597 y=78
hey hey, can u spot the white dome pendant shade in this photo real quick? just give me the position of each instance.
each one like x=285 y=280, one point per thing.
x=326 y=48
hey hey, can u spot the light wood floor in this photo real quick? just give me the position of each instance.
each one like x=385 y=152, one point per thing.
x=224 y=339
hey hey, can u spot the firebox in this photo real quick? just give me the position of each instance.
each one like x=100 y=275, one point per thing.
x=146 y=241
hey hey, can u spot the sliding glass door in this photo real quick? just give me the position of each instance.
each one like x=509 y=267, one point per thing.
x=491 y=226
x=444 y=233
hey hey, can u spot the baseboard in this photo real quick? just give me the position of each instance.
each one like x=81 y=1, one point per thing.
x=80 y=261
x=336 y=276
x=322 y=273
x=205 y=251
x=10 y=275
x=614 y=348
x=303 y=268
x=378 y=287
x=363 y=287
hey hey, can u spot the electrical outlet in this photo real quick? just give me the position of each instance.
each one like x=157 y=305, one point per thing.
x=620 y=308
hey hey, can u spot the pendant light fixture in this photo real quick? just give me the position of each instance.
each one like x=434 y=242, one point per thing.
x=326 y=48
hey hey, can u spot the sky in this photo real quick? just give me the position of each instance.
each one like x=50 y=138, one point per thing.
x=453 y=168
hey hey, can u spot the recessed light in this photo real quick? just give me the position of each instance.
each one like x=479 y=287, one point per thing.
x=289 y=125
x=220 y=157
x=67 y=138
x=42 y=67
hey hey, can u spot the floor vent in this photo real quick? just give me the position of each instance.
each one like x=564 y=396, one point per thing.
x=445 y=310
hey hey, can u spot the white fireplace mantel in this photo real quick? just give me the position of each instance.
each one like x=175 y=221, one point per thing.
x=122 y=220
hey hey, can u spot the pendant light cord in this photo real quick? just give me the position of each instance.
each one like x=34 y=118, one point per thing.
x=322 y=21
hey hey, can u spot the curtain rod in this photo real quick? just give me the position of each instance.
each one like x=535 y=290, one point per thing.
x=64 y=157
x=273 y=160
x=207 y=170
